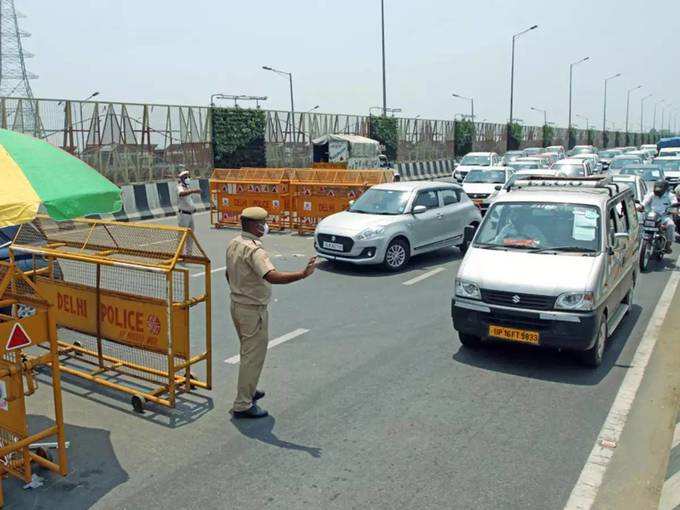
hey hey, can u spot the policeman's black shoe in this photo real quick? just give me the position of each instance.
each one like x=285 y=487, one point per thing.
x=253 y=413
x=258 y=395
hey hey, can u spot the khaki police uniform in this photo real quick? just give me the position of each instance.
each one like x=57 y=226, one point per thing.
x=247 y=264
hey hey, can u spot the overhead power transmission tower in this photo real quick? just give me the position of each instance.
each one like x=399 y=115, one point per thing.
x=14 y=78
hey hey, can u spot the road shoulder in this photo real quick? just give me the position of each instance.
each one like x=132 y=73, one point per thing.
x=638 y=469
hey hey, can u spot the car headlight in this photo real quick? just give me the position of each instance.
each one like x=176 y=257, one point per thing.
x=370 y=233
x=467 y=289
x=575 y=301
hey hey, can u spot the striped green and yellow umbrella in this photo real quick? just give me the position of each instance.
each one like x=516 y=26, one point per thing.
x=34 y=173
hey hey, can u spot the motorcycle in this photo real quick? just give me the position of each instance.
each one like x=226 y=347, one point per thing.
x=653 y=243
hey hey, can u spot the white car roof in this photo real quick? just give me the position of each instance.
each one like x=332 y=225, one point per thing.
x=573 y=196
x=569 y=161
x=584 y=155
x=667 y=158
x=537 y=171
x=414 y=185
x=479 y=154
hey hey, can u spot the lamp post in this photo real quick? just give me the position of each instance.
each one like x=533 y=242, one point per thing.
x=571 y=80
x=628 y=103
x=544 y=112
x=586 y=119
x=604 y=109
x=292 y=104
x=660 y=101
x=312 y=109
x=642 y=111
x=472 y=105
x=512 y=66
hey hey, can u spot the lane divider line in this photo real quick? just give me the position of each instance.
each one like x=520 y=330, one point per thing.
x=670 y=493
x=423 y=276
x=676 y=436
x=202 y=273
x=273 y=343
x=589 y=482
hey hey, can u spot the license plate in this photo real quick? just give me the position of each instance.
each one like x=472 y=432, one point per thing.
x=515 y=335
x=332 y=246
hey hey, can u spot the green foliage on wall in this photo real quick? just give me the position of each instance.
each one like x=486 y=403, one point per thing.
x=238 y=137
x=464 y=136
x=515 y=135
x=384 y=130
x=548 y=134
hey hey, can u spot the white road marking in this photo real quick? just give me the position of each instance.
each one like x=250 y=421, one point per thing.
x=423 y=276
x=288 y=336
x=202 y=273
x=676 y=436
x=670 y=494
x=585 y=491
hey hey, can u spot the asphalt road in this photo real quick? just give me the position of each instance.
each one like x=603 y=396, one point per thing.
x=377 y=405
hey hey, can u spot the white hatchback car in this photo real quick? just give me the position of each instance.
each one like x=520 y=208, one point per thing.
x=572 y=167
x=475 y=160
x=391 y=222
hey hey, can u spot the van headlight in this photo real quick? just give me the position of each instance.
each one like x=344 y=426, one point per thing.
x=467 y=289
x=575 y=301
x=370 y=233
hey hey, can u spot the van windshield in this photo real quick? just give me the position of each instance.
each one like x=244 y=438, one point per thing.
x=541 y=227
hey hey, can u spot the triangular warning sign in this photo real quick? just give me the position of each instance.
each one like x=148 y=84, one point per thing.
x=18 y=338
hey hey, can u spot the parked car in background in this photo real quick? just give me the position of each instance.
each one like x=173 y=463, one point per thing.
x=533 y=151
x=593 y=162
x=648 y=173
x=475 y=160
x=645 y=156
x=628 y=149
x=618 y=162
x=392 y=222
x=669 y=151
x=557 y=149
x=670 y=166
x=511 y=156
x=571 y=167
x=606 y=156
x=479 y=185
x=582 y=149
x=649 y=147
x=550 y=157
x=525 y=164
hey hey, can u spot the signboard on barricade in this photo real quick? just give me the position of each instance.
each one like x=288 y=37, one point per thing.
x=232 y=198
x=313 y=202
x=140 y=322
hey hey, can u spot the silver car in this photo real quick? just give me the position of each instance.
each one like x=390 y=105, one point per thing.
x=390 y=223
x=554 y=263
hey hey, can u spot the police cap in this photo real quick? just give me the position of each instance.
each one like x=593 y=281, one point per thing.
x=254 y=213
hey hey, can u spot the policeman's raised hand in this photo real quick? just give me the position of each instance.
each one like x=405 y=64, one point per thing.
x=311 y=266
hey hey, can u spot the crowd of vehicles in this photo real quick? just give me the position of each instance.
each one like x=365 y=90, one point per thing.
x=576 y=228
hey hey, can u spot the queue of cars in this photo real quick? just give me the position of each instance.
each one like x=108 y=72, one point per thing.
x=570 y=225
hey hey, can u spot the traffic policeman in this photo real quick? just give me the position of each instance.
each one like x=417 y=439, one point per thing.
x=186 y=207
x=250 y=274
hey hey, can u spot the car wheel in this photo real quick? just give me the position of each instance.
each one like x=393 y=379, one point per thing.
x=397 y=255
x=593 y=356
x=470 y=341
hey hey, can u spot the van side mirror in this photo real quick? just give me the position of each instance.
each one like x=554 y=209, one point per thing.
x=419 y=209
x=620 y=239
x=351 y=203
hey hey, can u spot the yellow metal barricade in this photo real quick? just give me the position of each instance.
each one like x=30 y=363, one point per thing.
x=122 y=300
x=295 y=198
x=26 y=320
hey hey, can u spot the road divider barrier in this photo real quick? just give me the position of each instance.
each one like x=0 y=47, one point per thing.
x=27 y=320
x=121 y=294
x=296 y=199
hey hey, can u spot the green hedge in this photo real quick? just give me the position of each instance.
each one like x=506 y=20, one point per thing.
x=548 y=135
x=384 y=130
x=515 y=136
x=464 y=136
x=238 y=137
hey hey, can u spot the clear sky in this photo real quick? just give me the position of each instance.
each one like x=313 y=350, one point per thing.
x=176 y=51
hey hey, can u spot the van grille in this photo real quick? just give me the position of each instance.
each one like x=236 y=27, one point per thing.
x=517 y=300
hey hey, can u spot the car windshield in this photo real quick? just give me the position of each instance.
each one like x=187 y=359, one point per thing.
x=581 y=150
x=570 y=170
x=631 y=185
x=533 y=150
x=541 y=227
x=476 y=160
x=490 y=176
x=620 y=163
x=648 y=174
x=520 y=165
x=381 y=201
x=668 y=164
x=608 y=154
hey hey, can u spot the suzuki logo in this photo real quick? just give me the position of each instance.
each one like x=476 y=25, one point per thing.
x=333 y=238
x=515 y=299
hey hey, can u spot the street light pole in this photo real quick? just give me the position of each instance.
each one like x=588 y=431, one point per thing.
x=604 y=114
x=384 y=79
x=472 y=105
x=571 y=80
x=655 y=106
x=586 y=119
x=292 y=103
x=642 y=111
x=628 y=104
x=512 y=67
x=544 y=112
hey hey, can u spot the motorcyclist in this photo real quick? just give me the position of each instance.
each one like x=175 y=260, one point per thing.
x=660 y=200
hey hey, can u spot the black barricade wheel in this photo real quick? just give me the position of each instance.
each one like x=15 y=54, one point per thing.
x=138 y=403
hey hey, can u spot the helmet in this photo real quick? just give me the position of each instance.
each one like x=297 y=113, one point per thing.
x=660 y=187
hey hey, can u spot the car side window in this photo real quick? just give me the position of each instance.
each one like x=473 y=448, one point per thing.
x=448 y=196
x=622 y=223
x=427 y=198
x=632 y=214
